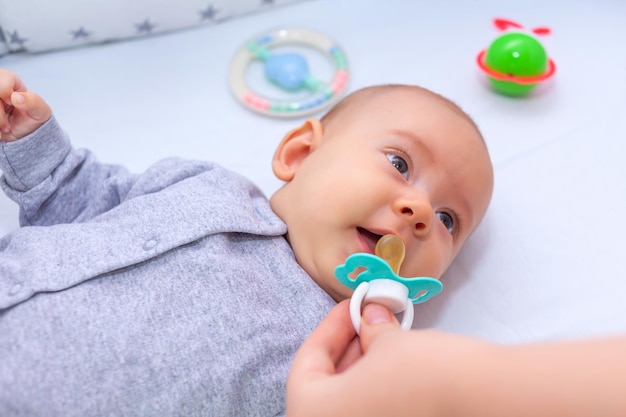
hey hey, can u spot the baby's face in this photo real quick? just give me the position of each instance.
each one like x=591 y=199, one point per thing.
x=400 y=163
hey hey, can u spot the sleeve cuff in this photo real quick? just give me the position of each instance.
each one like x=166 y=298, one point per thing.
x=28 y=161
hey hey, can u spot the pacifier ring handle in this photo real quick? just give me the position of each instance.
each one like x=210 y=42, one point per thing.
x=356 y=302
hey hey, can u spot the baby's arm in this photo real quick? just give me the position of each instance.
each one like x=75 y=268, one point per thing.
x=52 y=182
x=22 y=111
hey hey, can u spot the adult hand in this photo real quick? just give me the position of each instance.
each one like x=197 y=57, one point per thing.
x=316 y=385
x=435 y=374
x=401 y=373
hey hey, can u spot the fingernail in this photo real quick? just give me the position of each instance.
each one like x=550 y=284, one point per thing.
x=376 y=314
x=18 y=98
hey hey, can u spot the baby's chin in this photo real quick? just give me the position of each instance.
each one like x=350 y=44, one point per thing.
x=335 y=289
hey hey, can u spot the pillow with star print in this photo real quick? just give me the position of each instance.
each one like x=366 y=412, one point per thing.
x=43 y=25
x=3 y=46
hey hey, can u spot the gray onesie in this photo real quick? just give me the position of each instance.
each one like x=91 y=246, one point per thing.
x=170 y=293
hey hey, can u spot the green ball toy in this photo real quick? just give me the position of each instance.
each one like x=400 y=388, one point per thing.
x=517 y=55
x=516 y=62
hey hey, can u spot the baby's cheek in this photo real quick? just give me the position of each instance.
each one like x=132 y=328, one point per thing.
x=430 y=264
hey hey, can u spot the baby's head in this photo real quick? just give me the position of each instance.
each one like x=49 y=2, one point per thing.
x=387 y=159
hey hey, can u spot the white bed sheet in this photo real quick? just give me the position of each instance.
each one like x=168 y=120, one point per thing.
x=547 y=262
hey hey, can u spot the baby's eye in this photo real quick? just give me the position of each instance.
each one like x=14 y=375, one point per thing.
x=400 y=164
x=447 y=220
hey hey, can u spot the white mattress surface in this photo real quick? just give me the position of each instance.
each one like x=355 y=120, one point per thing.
x=548 y=260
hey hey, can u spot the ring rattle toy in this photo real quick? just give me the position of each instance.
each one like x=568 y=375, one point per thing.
x=290 y=72
x=374 y=279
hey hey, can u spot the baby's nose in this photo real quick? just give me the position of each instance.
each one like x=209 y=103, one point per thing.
x=418 y=213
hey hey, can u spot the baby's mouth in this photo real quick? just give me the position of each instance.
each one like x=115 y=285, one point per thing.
x=369 y=238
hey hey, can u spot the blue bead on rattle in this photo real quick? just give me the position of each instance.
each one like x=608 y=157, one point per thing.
x=375 y=279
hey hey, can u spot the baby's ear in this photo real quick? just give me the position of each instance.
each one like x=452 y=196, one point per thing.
x=295 y=147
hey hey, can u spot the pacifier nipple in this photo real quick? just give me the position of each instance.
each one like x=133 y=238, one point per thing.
x=391 y=249
x=385 y=291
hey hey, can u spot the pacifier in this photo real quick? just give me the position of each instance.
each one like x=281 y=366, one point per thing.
x=375 y=279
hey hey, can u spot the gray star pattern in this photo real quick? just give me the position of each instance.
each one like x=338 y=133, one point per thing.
x=15 y=38
x=81 y=33
x=145 y=26
x=209 y=13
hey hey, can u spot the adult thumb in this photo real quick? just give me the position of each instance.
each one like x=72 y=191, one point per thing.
x=375 y=320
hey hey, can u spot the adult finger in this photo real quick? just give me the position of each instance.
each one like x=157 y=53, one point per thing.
x=375 y=320
x=352 y=354
x=322 y=350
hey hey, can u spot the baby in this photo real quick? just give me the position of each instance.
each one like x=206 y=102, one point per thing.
x=183 y=290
